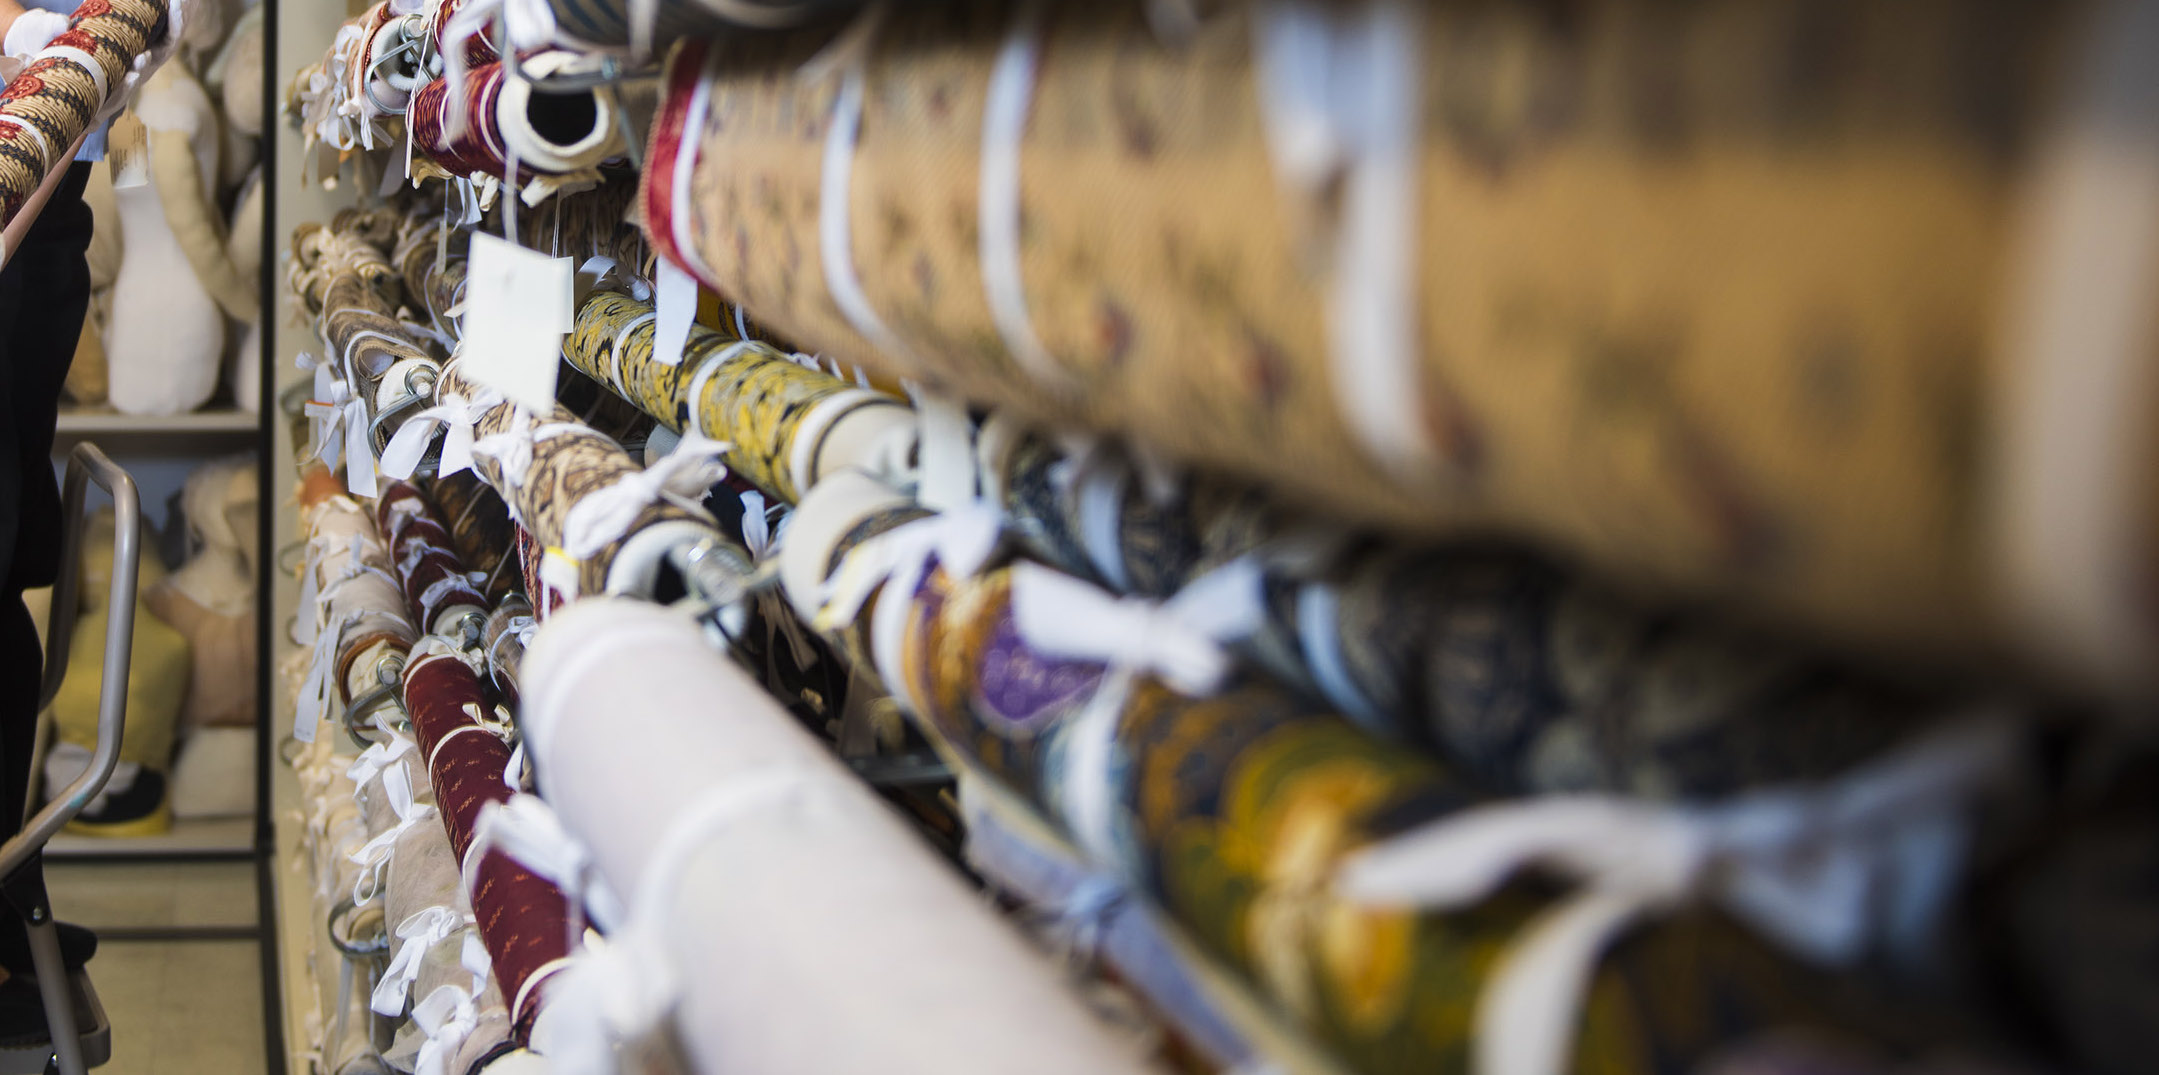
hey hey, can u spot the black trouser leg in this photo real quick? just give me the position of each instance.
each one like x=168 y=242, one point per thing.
x=44 y=292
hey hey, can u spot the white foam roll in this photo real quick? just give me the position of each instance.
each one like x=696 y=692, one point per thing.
x=811 y=932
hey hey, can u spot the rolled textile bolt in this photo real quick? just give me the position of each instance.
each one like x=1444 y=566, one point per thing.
x=766 y=801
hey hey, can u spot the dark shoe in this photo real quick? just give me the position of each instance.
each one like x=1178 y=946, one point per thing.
x=140 y=808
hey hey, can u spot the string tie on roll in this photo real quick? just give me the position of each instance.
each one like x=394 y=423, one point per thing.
x=1829 y=872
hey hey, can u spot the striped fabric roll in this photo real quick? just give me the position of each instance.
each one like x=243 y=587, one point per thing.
x=50 y=104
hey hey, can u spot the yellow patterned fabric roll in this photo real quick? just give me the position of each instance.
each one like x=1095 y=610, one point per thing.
x=1784 y=303
x=750 y=394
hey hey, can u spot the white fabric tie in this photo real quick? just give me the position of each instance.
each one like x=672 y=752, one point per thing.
x=455 y=416
x=1339 y=92
x=962 y=540
x=447 y=1017
x=526 y=830
x=606 y=514
x=375 y=853
x=420 y=931
x=1827 y=871
x=1179 y=641
x=377 y=758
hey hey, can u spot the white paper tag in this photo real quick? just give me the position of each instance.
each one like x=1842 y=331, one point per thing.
x=677 y=307
x=515 y=310
x=568 y=269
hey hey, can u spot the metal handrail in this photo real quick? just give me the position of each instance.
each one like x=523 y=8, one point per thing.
x=85 y=464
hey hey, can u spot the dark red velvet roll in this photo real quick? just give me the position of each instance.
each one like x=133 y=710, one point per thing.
x=433 y=577
x=523 y=920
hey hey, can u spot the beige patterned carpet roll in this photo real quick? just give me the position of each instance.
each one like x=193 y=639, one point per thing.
x=1832 y=310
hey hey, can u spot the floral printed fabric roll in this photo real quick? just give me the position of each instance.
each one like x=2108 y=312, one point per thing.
x=523 y=920
x=1233 y=812
x=1658 y=288
x=552 y=466
x=50 y=103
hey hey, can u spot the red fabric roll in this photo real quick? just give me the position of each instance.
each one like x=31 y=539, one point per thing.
x=480 y=148
x=479 y=48
x=523 y=920
x=670 y=139
x=433 y=577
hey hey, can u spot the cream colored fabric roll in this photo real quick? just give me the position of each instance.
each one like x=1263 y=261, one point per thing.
x=798 y=884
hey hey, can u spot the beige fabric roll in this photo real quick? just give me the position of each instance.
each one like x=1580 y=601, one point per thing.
x=1842 y=336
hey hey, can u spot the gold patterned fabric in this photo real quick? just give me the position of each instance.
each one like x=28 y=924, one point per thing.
x=1716 y=297
x=567 y=462
x=745 y=392
x=50 y=103
x=1232 y=811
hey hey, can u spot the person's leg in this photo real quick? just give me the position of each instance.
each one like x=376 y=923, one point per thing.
x=44 y=293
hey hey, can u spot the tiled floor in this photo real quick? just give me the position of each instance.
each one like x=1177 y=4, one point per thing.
x=178 y=1007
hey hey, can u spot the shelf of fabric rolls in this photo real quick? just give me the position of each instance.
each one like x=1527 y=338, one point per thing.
x=1360 y=574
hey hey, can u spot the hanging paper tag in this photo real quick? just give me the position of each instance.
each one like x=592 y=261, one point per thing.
x=677 y=308
x=515 y=310
x=124 y=145
x=568 y=269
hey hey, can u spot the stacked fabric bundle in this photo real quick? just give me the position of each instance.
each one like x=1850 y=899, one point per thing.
x=524 y=920
x=1200 y=595
x=376 y=370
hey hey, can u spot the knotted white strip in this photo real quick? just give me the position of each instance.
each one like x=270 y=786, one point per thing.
x=1828 y=871
x=961 y=540
x=420 y=931
x=447 y=1017
x=1178 y=641
x=314 y=700
x=1339 y=92
x=455 y=416
x=375 y=853
x=511 y=450
x=1004 y=122
x=377 y=758
x=44 y=145
x=607 y=513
